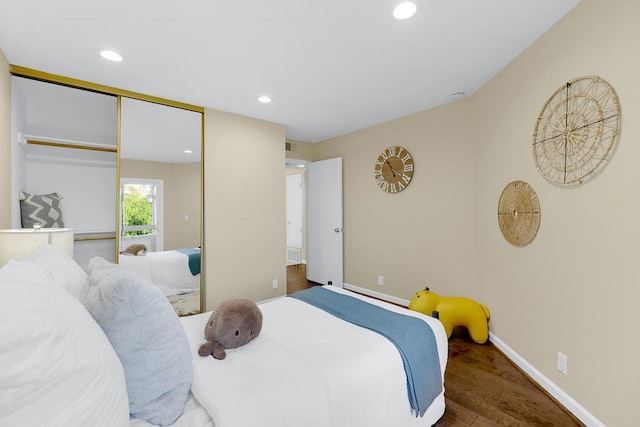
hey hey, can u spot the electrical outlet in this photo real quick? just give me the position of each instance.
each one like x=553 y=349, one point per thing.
x=562 y=363
x=275 y=283
x=380 y=280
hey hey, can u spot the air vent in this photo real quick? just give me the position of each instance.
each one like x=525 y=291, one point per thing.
x=287 y=146
x=294 y=255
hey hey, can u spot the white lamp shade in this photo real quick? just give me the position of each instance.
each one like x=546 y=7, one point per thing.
x=17 y=244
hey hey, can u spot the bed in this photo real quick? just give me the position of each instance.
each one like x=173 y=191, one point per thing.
x=307 y=367
x=176 y=272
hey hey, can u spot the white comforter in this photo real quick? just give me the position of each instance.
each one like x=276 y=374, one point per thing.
x=169 y=270
x=309 y=368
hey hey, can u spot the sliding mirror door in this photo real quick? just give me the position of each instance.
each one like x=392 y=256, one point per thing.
x=160 y=213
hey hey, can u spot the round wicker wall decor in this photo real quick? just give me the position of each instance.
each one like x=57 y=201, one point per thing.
x=519 y=213
x=576 y=131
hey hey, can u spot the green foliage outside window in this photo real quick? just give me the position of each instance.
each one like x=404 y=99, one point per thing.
x=138 y=211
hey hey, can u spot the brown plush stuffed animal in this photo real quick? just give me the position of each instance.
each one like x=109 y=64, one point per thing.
x=136 y=249
x=233 y=324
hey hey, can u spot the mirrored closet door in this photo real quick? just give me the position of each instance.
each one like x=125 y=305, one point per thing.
x=122 y=169
x=161 y=198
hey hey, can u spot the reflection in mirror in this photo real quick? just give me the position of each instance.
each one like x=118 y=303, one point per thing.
x=65 y=144
x=160 y=199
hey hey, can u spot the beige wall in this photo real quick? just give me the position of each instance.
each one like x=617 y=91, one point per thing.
x=575 y=288
x=186 y=191
x=182 y=185
x=301 y=150
x=422 y=236
x=5 y=142
x=245 y=233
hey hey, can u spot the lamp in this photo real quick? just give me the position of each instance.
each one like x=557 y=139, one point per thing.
x=18 y=243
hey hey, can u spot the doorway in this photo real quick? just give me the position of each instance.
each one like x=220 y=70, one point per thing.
x=294 y=218
x=295 y=211
x=322 y=233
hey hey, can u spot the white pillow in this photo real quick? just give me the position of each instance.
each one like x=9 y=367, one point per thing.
x=57 y=366
x=64 y=270
x=148 y=337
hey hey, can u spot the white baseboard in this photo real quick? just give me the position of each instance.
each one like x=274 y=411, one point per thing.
x=567 y=401
x=375 y=294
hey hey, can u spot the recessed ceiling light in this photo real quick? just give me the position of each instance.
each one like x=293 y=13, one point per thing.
x=111 y=55
x=188 y=151
x=405 y=10
x=300 y=166
x=264 y=99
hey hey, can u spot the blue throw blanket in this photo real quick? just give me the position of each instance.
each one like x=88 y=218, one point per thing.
x=194 y=259
x=413 y=338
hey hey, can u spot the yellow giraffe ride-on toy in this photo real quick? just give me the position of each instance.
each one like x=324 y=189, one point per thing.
x=454 y=311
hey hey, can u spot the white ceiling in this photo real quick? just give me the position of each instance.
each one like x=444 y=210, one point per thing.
x=331 y=66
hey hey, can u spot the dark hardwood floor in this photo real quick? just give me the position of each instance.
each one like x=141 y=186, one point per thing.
x=482 y=387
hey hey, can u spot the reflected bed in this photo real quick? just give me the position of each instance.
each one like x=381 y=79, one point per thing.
x=175 y=272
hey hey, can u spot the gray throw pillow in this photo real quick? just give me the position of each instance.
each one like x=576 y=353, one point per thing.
x=147 y=336
x=41 y=208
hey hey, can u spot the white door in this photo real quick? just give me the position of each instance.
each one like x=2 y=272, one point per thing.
x=294 y=210
x=324 y=222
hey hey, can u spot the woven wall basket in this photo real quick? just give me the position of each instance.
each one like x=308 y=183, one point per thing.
x=519 y=213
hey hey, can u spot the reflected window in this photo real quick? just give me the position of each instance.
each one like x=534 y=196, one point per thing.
x=141 y=204
x=139 y=209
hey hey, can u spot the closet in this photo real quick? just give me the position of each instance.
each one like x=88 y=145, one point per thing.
x=89 y=147
x=65 y=143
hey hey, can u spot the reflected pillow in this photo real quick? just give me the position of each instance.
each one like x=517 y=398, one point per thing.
x=58 y=368
x=41 y=208
x=148 y=337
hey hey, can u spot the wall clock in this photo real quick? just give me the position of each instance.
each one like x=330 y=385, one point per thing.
x=393 y=170
x=576 y=131
x=519 y=213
